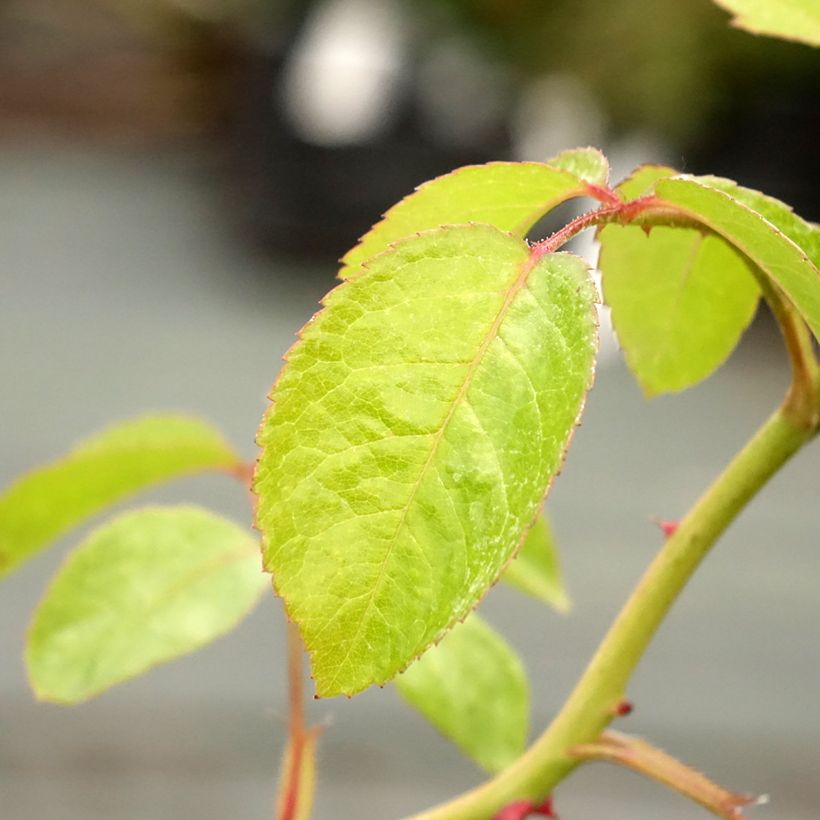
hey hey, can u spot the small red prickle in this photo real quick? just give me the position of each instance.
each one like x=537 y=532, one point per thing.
x=546 y=809
x=623 y=708
x=515 y=811
x=668 y=527
x=521 y=809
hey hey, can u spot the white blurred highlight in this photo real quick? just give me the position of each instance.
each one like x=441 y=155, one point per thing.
x=340 y=83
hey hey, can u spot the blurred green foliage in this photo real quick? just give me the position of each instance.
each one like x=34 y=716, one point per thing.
x=663 y=66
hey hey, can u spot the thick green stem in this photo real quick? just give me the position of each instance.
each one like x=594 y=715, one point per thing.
x=590 y=707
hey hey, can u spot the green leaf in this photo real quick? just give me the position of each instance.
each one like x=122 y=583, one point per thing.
x=512 y=196
x=786 y=264
x=413 y=433
x=680 y=301
x=536 y=570
x=588 y=164
x=782 y=216
x=642 y=180
x=473 y=688
x=146 y=587
x=47 y=502
x=790 y=19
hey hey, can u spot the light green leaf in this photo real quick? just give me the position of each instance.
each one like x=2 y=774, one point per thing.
x=512 y=196
x=680 y=301
x=782 y=216
x=413 y=433
x=536 y=569
x=777 y=257
x=47 y=502
x=588 y=164
x=144 y=588
x=642 y=180
x=790 y=19
x=473 y=688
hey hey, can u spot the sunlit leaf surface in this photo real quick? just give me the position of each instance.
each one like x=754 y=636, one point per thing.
x=512 y=196
x=413 y=433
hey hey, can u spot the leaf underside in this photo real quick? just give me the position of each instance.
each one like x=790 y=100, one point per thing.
x=144 y=588
x=413 y=433
x=473 y=688
x=681 y=298
x=680 y=302
x=131 y=456
x=762 y=242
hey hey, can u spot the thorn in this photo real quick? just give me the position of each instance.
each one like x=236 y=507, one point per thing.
x=546 y=809
x=623 y=708
x=668 y=527
x=521 y=809
x=515 y=811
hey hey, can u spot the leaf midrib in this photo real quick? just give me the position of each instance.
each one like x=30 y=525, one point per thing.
x=526 y=268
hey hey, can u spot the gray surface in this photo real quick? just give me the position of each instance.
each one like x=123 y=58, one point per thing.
x=122 y=291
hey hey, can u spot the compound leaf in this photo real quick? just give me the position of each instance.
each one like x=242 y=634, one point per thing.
x=473 y=688
x=536 y=570
x=144 y=588
x=512 y=196
x=790 y=19
x=786 y=264
x=133 y=455
x=413 y=433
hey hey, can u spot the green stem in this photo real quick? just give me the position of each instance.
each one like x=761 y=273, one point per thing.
x=591 y=705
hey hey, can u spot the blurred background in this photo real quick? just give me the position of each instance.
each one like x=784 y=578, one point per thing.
x=177 y=179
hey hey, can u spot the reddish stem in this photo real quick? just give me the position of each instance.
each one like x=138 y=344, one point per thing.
x=296 y=715
x=621 y=212
x=603 y=194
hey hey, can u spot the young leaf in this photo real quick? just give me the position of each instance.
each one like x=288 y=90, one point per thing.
x=680 y=301
x=790 y=19
x=144 y=588
x=786 y=264
x=536 y=570
x=473 y=688
x=512 y=196
x=588 y=164
x=133 y=455
x=413 y=433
